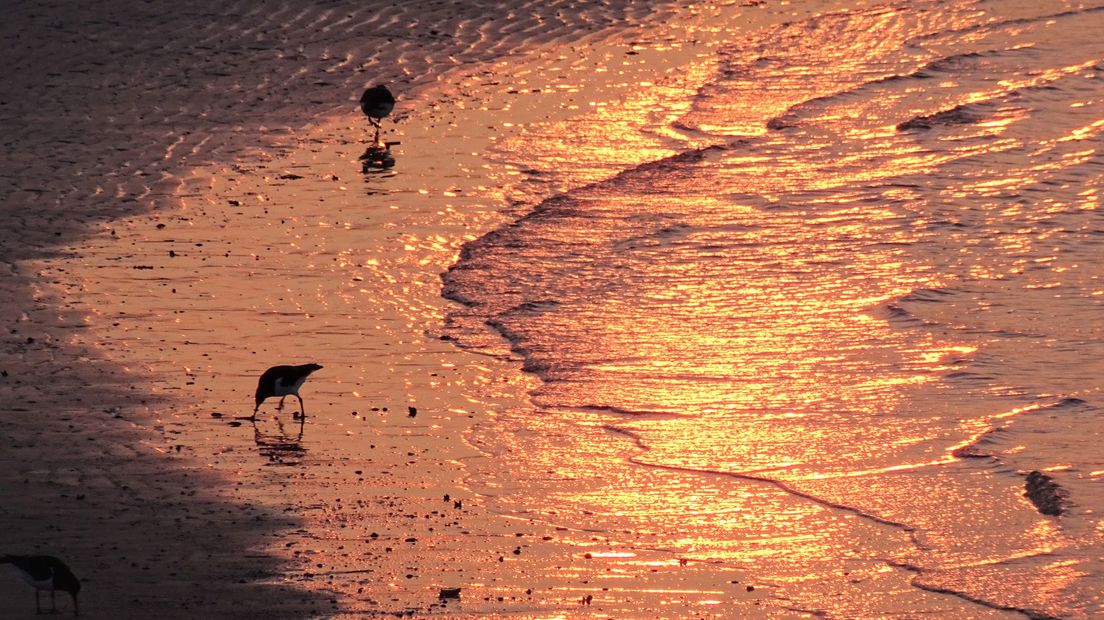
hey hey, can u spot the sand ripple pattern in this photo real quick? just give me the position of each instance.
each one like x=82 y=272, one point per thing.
x=104 y=104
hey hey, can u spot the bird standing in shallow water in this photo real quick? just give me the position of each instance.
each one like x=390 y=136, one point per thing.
x=48 y=573
x=376 y=103
x=283 y=381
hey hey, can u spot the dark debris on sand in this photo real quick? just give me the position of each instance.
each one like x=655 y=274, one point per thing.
x=1049 y=498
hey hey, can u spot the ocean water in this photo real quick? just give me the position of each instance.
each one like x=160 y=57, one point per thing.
x=847 y=303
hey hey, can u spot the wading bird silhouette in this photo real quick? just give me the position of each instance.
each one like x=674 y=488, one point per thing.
x=283 y=381
x=376 y=103
x=46 y=573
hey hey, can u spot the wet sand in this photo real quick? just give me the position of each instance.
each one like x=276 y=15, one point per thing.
x=129 y=378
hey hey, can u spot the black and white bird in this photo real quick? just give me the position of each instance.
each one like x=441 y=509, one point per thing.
x=376 y=103
x=283 y=381
x=46 y=573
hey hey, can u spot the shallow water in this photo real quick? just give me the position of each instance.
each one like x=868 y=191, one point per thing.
x=868 y=278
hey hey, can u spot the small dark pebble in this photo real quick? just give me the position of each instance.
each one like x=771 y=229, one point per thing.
x=447 y=593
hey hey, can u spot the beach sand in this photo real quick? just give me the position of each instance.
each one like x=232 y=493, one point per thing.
x=128 y=378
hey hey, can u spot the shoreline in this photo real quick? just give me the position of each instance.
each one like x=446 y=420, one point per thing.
x=193 y=405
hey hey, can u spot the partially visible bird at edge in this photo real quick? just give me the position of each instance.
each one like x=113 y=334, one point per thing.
x=46 y=573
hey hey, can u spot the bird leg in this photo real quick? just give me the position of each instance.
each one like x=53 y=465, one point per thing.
x=53 y=601
x=280 y=407
x=302 y=412
x=38 y=601
x=376 y=124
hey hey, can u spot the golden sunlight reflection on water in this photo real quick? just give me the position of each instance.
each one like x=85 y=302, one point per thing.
x=769 y=316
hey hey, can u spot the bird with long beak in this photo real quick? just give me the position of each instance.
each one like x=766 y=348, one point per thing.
x=46 y=573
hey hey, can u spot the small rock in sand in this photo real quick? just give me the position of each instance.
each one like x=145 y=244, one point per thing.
x=447 y=593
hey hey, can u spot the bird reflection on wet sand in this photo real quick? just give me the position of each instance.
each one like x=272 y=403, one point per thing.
x=280 y=443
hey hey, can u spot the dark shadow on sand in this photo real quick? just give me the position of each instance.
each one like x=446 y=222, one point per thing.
x=149 y=531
